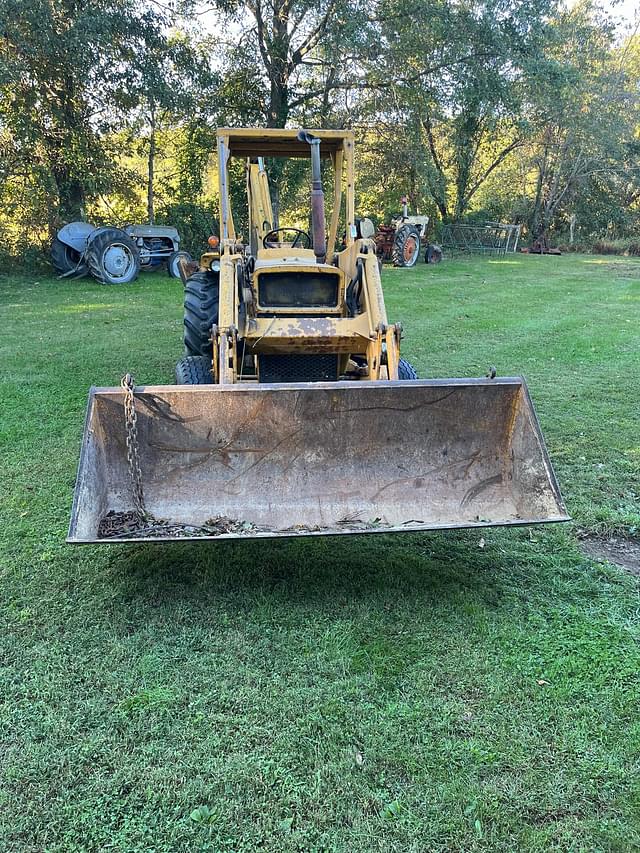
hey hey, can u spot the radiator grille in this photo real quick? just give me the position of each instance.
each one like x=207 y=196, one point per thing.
x=297 y=289
x=298 y=368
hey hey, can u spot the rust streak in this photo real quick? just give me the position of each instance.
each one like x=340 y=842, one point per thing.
x=394 y=408
x=263 y=457
x=467 y=462
x=223 y=449
x=480 y=487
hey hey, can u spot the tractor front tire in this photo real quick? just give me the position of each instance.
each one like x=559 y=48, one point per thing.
x=201 y=297
x=65 y=259
x=406 y=246
x=113 y=257
x=194 y=370
x=406 y=370
x=173 y=262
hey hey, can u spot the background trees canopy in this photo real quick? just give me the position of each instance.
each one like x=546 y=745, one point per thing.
x=502 y=109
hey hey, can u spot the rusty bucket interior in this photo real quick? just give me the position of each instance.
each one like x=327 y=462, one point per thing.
x=312 y=459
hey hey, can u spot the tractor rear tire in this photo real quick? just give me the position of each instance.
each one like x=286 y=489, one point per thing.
x=113 y=257
x=406 y=370
x=201 y=298
x=194 y=370
x=406 y=246
x=65 y=259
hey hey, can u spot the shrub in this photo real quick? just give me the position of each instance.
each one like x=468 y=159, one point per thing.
x=195 y=223
x=611 y=247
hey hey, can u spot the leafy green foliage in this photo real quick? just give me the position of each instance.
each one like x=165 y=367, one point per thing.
x=511 y=111
x=195 y=224
x=71 y=75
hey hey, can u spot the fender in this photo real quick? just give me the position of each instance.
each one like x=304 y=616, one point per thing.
x=77 y=235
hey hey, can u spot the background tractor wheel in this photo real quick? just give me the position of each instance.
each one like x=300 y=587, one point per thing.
x=172 y=264
x=406 y=246
x=201 y=294
x=433 y=254
x=194 y=370
x=406 y=370
x=65 y=259
x=113 y=257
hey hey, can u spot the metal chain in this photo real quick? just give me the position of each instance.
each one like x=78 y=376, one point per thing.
x=138 y=523
x=128 y=385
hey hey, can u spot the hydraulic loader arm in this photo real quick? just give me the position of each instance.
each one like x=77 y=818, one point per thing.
x=260 y=208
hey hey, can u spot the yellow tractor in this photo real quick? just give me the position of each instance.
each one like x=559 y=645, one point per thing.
x=294 y=413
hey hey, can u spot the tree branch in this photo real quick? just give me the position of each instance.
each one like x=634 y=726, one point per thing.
x=313 y=38
x=428 y=129
x=494 y=165
x=384 y=84
x=256 y=10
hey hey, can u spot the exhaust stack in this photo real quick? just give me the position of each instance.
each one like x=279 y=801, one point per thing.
x=317 y=197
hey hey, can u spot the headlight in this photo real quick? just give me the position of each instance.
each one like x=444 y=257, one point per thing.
x=214 y=266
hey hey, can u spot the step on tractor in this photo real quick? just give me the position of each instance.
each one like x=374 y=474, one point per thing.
x=295 y=413
x=116 y=255
x=405 y=239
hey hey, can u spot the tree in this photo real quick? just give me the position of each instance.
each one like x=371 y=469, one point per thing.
x=280 y=68
x=171 y=81
x=584 y=114
x=462 y=78
x=277 y=41
x=69 y=71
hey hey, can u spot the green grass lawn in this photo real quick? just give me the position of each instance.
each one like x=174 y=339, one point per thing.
x=388 y=693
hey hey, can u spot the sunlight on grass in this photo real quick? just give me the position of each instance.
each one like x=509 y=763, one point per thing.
x=612 y=259
x=86 y=306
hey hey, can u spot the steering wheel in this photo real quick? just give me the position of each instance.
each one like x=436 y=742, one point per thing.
x=271 y=239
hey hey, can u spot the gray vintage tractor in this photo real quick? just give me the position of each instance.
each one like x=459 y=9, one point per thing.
x=115 y=255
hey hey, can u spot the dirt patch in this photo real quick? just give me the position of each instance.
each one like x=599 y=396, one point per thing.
x=622 y=552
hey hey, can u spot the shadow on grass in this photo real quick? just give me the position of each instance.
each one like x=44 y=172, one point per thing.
x=377 y=569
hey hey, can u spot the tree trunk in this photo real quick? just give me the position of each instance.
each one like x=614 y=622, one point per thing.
x=462 y=185
x=437 y=188
x=278 y=111
x=468 y=130
x=151 y=167
x=277 y=117
x=70 y=194
x=58 y=143
x=537 y=204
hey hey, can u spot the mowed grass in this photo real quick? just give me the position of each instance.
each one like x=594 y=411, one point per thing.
x=425 y=692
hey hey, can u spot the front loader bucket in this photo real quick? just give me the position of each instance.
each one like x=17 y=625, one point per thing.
x=309 y=459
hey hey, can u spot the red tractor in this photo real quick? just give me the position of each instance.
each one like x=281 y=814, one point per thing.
x=403 y=240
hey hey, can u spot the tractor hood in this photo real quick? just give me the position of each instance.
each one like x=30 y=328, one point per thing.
x=153 y=231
